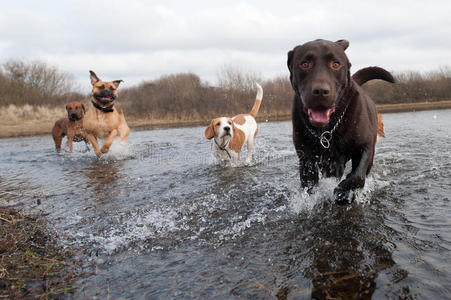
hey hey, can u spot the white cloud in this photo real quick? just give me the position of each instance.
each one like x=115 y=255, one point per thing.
x=141 y=40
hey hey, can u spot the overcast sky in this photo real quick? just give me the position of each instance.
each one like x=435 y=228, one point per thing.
x=142 y=40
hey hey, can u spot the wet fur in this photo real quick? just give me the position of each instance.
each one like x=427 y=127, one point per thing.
x=72 y=126
x=100 y=124
x=354 y=138
x=227 y=144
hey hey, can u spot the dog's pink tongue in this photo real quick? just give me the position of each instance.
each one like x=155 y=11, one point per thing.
x=320 y=116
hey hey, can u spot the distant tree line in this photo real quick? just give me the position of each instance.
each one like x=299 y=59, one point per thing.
x=35 y=83
x=185 y=96
x=412 y=87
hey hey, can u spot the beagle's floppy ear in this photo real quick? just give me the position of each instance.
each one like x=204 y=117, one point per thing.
x=209 y=131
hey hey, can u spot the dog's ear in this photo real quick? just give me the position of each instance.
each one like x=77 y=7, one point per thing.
x=83 y=107
x=67 y=107
x=289 y=63
x=117 y=82
x=343 y=43
x=233 y=126
x=94 y=78
x=209 y=131
x=290 y=59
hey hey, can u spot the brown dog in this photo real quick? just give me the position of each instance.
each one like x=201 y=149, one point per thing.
x=102 y=120
x=72 y=126
x=334 y=120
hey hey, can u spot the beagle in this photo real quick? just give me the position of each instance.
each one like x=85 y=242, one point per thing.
x=230 y=134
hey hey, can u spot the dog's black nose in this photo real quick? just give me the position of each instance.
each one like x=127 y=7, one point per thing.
x=227 y=128
x=73 y=115
x=321 y=89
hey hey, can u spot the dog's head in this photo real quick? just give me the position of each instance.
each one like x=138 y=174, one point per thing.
x=319 y=74
x=103 y=92
x=75 y=111
x=221 y=128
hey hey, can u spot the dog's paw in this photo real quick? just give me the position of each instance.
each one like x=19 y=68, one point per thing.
x=104 y=149
x=343 y=197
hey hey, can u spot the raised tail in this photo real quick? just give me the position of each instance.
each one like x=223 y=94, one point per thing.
x=370 y=73
x=380 y=126
x=258 y=101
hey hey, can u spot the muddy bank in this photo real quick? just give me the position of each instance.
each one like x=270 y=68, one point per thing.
x=23 y=128
x=32 y=264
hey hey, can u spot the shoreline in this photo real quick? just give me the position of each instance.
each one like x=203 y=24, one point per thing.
x=40 y=128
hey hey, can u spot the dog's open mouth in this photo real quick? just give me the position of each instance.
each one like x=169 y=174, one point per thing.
x=319 y=117
x=104 y=99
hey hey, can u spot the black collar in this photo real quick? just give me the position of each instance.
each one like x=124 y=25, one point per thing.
x=106 y=109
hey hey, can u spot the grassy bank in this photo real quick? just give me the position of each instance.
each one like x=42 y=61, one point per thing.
x=33 y=96
x=405 y=107
x=32 y=265
x=31 y=121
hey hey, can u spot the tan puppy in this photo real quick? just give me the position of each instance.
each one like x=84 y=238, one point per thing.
x=102 y=120
x=72 y=126
x=230 y=134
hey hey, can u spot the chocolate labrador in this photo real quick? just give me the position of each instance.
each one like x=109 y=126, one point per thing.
x=334 y=121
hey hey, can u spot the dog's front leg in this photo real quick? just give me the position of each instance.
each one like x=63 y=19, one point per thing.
x=69 y=142
x=343 y=193
x=87 y=145
x=58 y=139
x=309 y=174
x=93 y=140
x=106 y=146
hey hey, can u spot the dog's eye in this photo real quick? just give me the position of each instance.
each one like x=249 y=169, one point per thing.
x=102 y=87
x=305 y=65
x=217 y=124
x=230 y=123
x=111 y=88
x=335 y=65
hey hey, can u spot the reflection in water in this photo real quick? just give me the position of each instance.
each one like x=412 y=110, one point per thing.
x=160 y=221
x=102 y=178
x=348 y=253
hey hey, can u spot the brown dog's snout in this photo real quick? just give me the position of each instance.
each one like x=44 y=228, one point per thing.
x=74 y=115
x=321 y=90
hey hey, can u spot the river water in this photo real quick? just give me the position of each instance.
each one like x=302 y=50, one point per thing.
x=159 y=218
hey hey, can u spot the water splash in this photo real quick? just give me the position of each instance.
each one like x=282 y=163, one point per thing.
x=302 y=201
x=119 y=151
